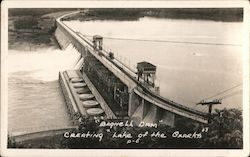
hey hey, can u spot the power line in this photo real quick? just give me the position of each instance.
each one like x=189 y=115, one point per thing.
x=224 y=91
x=231 y=94
x=204 y=109
x=168 y=41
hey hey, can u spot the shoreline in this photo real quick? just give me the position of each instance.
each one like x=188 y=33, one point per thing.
x=131 y=14
x=32 y=29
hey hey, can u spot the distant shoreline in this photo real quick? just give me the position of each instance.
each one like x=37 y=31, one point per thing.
x=33 y=28
x=214 y=14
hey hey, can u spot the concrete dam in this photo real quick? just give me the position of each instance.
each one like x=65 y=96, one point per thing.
x=103 y=86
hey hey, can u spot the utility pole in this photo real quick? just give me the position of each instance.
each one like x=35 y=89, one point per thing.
x=210 y=106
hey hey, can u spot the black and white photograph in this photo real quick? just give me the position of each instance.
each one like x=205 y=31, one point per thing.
x=98 y=76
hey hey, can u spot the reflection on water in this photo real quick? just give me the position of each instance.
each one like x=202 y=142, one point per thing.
x=34 y=96
x=186 y=73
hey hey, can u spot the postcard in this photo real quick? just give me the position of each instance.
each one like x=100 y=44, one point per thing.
x=125 y=78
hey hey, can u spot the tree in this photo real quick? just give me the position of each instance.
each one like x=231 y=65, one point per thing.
x=27 y=22
x=225 y=129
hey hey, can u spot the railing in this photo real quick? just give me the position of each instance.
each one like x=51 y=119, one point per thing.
x=78 y=38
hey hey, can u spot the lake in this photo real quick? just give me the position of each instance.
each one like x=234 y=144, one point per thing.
x=186 y=73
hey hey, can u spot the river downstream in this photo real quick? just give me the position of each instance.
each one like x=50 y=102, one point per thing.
x=35 y=99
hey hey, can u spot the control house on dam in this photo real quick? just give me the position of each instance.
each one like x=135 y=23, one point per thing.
x=102 y=86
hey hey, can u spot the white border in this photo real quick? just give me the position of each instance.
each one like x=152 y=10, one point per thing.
x=121 y=4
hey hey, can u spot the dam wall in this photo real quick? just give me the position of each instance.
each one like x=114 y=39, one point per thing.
x=143 y=103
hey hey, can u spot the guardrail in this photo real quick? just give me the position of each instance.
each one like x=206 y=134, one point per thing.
x=80 y=39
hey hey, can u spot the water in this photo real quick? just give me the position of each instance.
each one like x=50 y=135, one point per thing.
x=187 y=73
x=35 y=99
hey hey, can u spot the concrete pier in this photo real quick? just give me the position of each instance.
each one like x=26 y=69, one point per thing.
x=73 y=98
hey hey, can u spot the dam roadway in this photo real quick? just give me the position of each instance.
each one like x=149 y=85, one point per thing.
x=144 y=104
